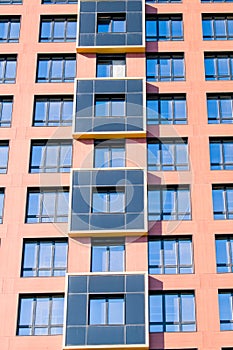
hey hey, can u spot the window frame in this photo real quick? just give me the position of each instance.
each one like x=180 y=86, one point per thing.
x=172 y=76
x=225 y=213
x=215 y=62
x=2 y=200
x=9 y=21
x=109 y=145
x=109 y=100
x=50 y=62
x=58 y=2
x=223 y=165
x=11 y=2
x=107 y=200
x=6 y=59
x=225 y=322
x=106 y=299
x=108 y=60
x=110 y=19
x=226 y=267
x=4 y=167
x=214 y=29
x=52 y=20
x=169 y=36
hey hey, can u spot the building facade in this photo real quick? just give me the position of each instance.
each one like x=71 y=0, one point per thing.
x=116 y=149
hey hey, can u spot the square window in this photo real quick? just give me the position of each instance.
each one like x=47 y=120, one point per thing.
x=110 y=66
x=110 y=200
x=107 y=311
x=109 y=153
x=7 y=69
x=58 y=29
x=107 y=256
x=111 y=23
x=9 y=29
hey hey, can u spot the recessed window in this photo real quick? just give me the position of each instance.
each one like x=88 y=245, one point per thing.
x=219 y=67
x=164 y=1
x=59 y=2
x=217 y=27
x=1 y=204
x=110 y=106
x=172 y=312
x=58 y=29
x=163 y=28
x=221 y=154
x=169 y=203
x=165 y=67
x=6 y=105
x=4 y=150
x=44 y=258
x=107 y=311
x=170 y=256
x=167 y=155
x=40 y=315
x=224 y=253
x=220 y=109
x=7 y=69
x=115 y=23
x=47 y=205
x=110 y=66
x=108 y=200
x=9 y=29
x=223 y=202
x=109 y=154
x=166 y=109
x=53 y=111
x=225 y=300
x=56 y=69
x=107 y=256
x=50 y=156
x=216 y=0
x=10 y=2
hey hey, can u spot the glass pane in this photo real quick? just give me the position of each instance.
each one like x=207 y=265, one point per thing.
x=46 y=30
x=207 y=28
x=187 y=308
x=43 y=69
x=155 y=253
x=152 y=109
x=70 y=70
x=97 y=311
x=65 y=155
x=117 y=202
x=178 y=64
x=151 y=29
x=118 y=157
x=59 y=30
x=165 y=68
x=218 y=201
x=67 y=111
x=57 y=311
x=14 y=34
x=220 y=27
x=45 y=255
x=62 y=203
x=164 y=29
x=223 y=66
x=185 y=252
x=172 y=308
x=102 y=157
x=156 y=308
x=179 y=109
x=99 y=202
x=183 y=198
x=11 y=70
x=102 y=108
x=216 y=154
x=71 y=29
x=229 y=199
x=153 y=156
x=51 y=157
x=166 y=108
x=177 y=28
x=167 y=154
x=26 y=310
x=33 y=203
x=42 y=312
x=118 y=26
x=60 y=254
x=210 y=68
x=182 y=154
x=213 y=110
x=30 y=255
x=116 y=255
x=36 y=157
x=154 y=202
x=222 y=252
x=116 y=311
x=225 y=306
x=3 y=30
x=170 y=255
x=226 y=108
x=3 y=157
x=118 y=108
x=103 y=70
x=228 y=152
x=6 y=111
x=99 y=259
x=48 y=204
x=54 y=110
x=57 y=69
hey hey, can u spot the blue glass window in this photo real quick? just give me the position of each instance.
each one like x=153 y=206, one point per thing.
x=44 y=258
x=165 y=1
x=172 y=312
x=217 y=27
x=224 y=253
x=107 y=311
x=40 y=315
x=53 y=111
x=221 y=154
x=169 y=203
x=167 y=155
x=9 y=29
x=47 y=205
x=170 y=256
x=10 y=2
x=58 y=29
x=109 y=154
x=166 y=109
x=110 y=200
x=165 y=68
x=219 y=67
x=4 y=150
x=110 y=106
x=6 y=105
x=222 y=202
x=107 y=256
x=164 y=28
x=225 y=300
x=1 y=204
x=220 y=109
x=7 y=69
x=50 y=156
x=56 y=69
x=111 y=23
x=216 y=0
x=59 y=2
x=110 y=66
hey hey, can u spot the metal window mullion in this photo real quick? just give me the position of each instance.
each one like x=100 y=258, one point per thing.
x=176 y=192
x=179 y=295
x=37 y=268
x=229 y=253
x=33 y=315
x=52 y=30
x=177 y=255
x=161 y=191
x=50 y=314
x=61 y=110
x=8 y=31
x=226 y=211
x=108 y=258
x=49 y=78
x=44 y=158
x=41 y=194
x=173 y=111
x=59 y=165
x=230 y=66
x=4 y=70
x=110 y=156
x=170 y=34
x=106 y=311
x=163 y=256
x=223 y=155
x=65 y=34
x=52 y=267
x=164 y=320
x=63 y=78
x=55 y=206
x=108 y=201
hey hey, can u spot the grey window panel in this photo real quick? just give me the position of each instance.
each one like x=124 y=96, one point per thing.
x=88 y=6
x=135 y=283
x=76 y=310
x=134 y=39
x=75 y=336
x=81 y=178
x=108 y=178
x=84 y=125
x=107 y=222
x=135 y=85
x=136 y=204
x=81 y=200
x=111 y=124
x=111 y=86
x=135 y=177
x=84 y=106
x=110 y=39
x=87 y=23
x=77 y=284
x=80 y=222
x=134 y=6
x=134 y=221
x=134 y=124
x=85 y=86
x=134 y=21
x=135 y=315
x=135 y=335
x=87 y=40
x=97 y=335
x=107 y=284
x=111 y=6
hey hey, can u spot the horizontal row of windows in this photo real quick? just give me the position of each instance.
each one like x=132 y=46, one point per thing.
x=2 y=2
x=168 y=312
x=163 y=155
x=172 y=202
x=161 y=109
x=160 y=67
x=170 y=255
